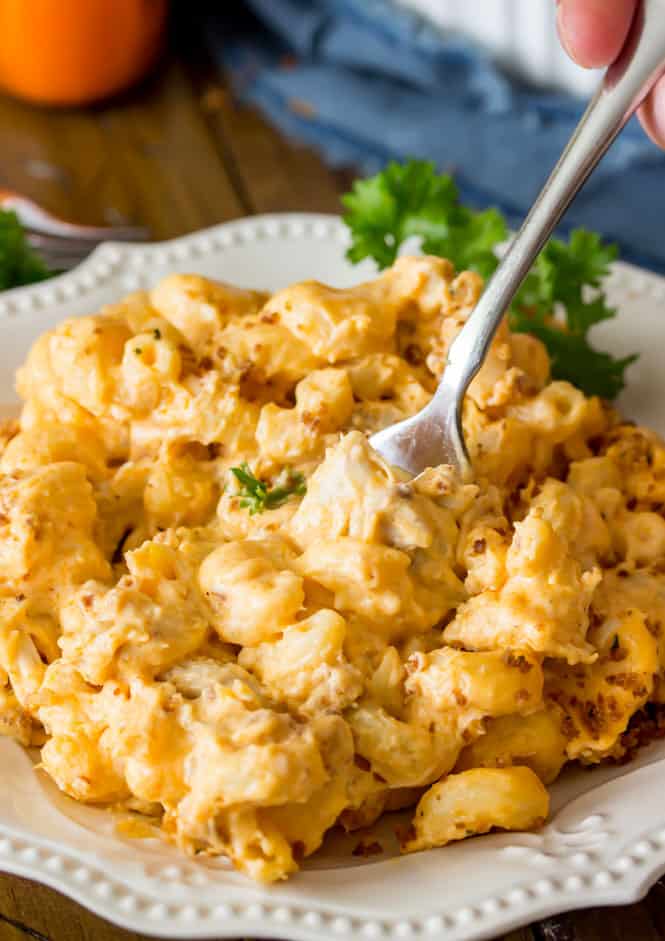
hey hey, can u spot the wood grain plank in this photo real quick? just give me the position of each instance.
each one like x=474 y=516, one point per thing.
x=270 y=172
x=14 y=932
x=623 y=923
x=557 y=928
x=50 y=915
x=148 y=157
x=278 y=175
x=171 y=160
x=520 y=934
x=654 y=904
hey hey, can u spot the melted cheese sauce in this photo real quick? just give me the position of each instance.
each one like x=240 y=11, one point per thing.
x=247 y=681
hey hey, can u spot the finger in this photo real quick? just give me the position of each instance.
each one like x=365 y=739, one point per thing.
x=593 y=31
x=652 y=114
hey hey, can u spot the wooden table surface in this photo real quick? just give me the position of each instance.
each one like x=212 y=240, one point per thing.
x=177 y=155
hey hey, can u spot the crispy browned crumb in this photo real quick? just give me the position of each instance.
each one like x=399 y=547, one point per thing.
x=405 y=833
x=367 y=849
x=645 y=727
x=8 y=430
x=518 y=661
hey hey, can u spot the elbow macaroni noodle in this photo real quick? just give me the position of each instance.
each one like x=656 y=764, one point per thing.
x=244 y=681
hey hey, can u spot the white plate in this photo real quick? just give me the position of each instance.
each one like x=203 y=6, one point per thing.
x=605 y=842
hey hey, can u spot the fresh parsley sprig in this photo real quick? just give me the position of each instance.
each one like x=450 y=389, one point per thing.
x=19 y=264
x=567 y=278
x=561 y=299
x=414 y=200
x=256 y=496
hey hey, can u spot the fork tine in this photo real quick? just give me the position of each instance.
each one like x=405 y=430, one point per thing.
x=58 y=243
x=62 y=260
x=63 y=263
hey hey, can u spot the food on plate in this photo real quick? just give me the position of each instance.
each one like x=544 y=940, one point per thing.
x=562 y=297
x=223 y=612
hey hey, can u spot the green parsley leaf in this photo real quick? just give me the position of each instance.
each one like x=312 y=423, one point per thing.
x=18 y=262
x=257 y=497
x=414 y=200
x=561 y=299
x=576 y=361
x=566 y=280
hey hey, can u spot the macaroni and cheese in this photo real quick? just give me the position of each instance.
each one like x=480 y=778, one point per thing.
x=222 y=611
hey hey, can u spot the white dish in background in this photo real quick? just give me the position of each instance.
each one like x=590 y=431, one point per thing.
x=521 y=34
x=605 y=841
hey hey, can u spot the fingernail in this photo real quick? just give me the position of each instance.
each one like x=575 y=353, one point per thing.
x=561 y=24
x=659 y=111
x=653 y=114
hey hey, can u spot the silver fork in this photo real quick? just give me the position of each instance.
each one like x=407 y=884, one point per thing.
x=435 y=436
x=63 y=244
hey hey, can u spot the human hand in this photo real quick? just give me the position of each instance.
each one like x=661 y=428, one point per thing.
x=593 y=33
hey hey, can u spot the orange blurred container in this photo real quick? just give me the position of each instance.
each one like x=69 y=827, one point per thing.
x=72 y=52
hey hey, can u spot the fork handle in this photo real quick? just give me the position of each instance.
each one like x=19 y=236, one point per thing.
x=624 y=87
x=32 y=216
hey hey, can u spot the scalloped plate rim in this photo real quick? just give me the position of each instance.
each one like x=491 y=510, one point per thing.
x=101 y=886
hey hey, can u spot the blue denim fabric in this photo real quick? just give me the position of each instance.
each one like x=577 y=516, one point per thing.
x=364 y=81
